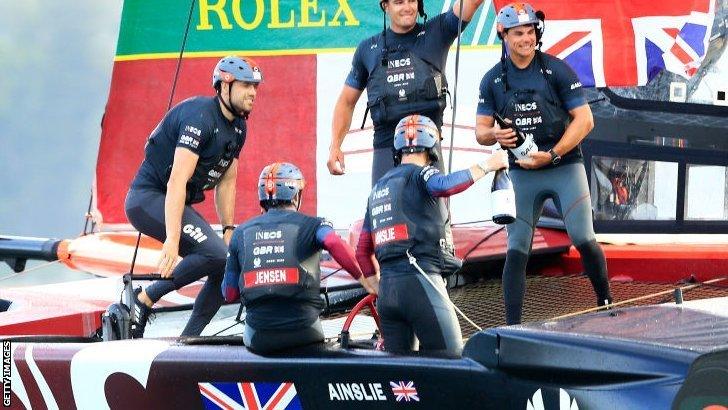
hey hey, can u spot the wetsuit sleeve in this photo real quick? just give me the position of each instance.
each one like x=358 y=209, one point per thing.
x=448 y=25
x=358 y=76
x=486 y=103
x=568 y=85
x=193 y=133
x=230 y=283
x=365 y=248
x=339 y=250
x=439 y=185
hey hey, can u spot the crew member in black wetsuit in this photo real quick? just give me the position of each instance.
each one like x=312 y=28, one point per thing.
x=193 y=149
x=402 y=69
x=542 y=95
x=273 y=265
x=404 y=227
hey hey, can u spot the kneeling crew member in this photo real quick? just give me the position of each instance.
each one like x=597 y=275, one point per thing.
x=405 y=220
x=273 y=265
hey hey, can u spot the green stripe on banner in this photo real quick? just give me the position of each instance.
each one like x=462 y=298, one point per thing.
x=154 y=29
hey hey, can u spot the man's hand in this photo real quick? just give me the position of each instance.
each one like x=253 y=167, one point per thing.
x=373 y=282
x=168 y=258
x=336 y=161
x=498 y=160
x=506 y=137
x=535 y=160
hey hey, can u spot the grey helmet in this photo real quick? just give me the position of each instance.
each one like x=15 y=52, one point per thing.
x=232 y=68
x=416 y=133
x=516 y=14
x=279 y=183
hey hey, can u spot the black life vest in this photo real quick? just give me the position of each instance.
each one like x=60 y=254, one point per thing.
x=281 y=258
x=406 y=85
x=541 y=116
x=404 y=216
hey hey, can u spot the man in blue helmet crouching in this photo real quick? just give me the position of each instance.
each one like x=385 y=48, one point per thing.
x=273 y=265
x=404 y=227
x=194 y=148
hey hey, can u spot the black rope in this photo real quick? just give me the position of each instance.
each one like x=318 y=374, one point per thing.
x=169 y=105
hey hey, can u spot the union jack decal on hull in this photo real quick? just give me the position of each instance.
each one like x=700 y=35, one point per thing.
x=250 y=396
x=405 y=391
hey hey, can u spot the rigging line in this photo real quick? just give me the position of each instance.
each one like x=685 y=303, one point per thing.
x=637 y=299
x=237 y=322
x=88 y=214
x=455 y=91
x=169 y=105
x=31 y=269
x=442 y=293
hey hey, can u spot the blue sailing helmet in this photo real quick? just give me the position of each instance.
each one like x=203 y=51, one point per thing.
x=232 y=68
x=279 y=183
x=516 y=14
x=415 y=133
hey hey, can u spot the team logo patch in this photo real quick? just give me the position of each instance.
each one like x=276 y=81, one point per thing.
x=404 y=391
x=250 y=396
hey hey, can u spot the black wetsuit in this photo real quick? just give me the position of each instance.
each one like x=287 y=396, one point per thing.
x=412 y=80
x=196 y=124
x=273 y=262
x=538 y=98
x=405 y=213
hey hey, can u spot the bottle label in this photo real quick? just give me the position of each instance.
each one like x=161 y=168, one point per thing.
x=521 y=151
x=503 y=202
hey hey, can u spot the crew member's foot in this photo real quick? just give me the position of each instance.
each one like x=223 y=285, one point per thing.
x=142 y=314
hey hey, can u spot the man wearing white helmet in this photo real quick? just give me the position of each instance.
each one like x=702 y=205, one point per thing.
x=194 y=148
x=403 y=71
x=543 y=96
x=273 y=265
x=404 y=227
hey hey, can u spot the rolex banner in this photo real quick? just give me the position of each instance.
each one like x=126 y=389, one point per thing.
x=304 y=49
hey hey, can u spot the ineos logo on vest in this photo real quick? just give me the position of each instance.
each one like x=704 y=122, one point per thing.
x=214 y=174
x=526 y=107
x=268 y=235
x=380 y=193
x=193 y=130
x=402 y=62
x=194 y=232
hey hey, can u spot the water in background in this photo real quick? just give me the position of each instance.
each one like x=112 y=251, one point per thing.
x=40 y=275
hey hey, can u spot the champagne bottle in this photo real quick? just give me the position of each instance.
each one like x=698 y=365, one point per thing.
x=502 y=198
x=524 y=143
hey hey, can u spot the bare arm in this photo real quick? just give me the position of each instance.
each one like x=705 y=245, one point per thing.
x=469 y=8
x=488 y=133
x=174 y=203
x=225 y=199
x=343 y=112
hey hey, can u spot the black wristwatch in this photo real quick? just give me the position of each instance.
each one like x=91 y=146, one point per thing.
x=555 y=158
x=228 y=227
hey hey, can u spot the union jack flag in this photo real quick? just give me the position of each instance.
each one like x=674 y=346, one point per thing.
x=249 y=396
x=404 y=391
x=626 y=42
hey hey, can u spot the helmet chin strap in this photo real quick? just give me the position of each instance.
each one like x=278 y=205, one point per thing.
x=229 y=105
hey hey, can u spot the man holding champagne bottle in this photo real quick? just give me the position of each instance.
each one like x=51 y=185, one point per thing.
x=542 y=116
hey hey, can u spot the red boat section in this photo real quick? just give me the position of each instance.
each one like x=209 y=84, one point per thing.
x=62 y=309
x=138 y=100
